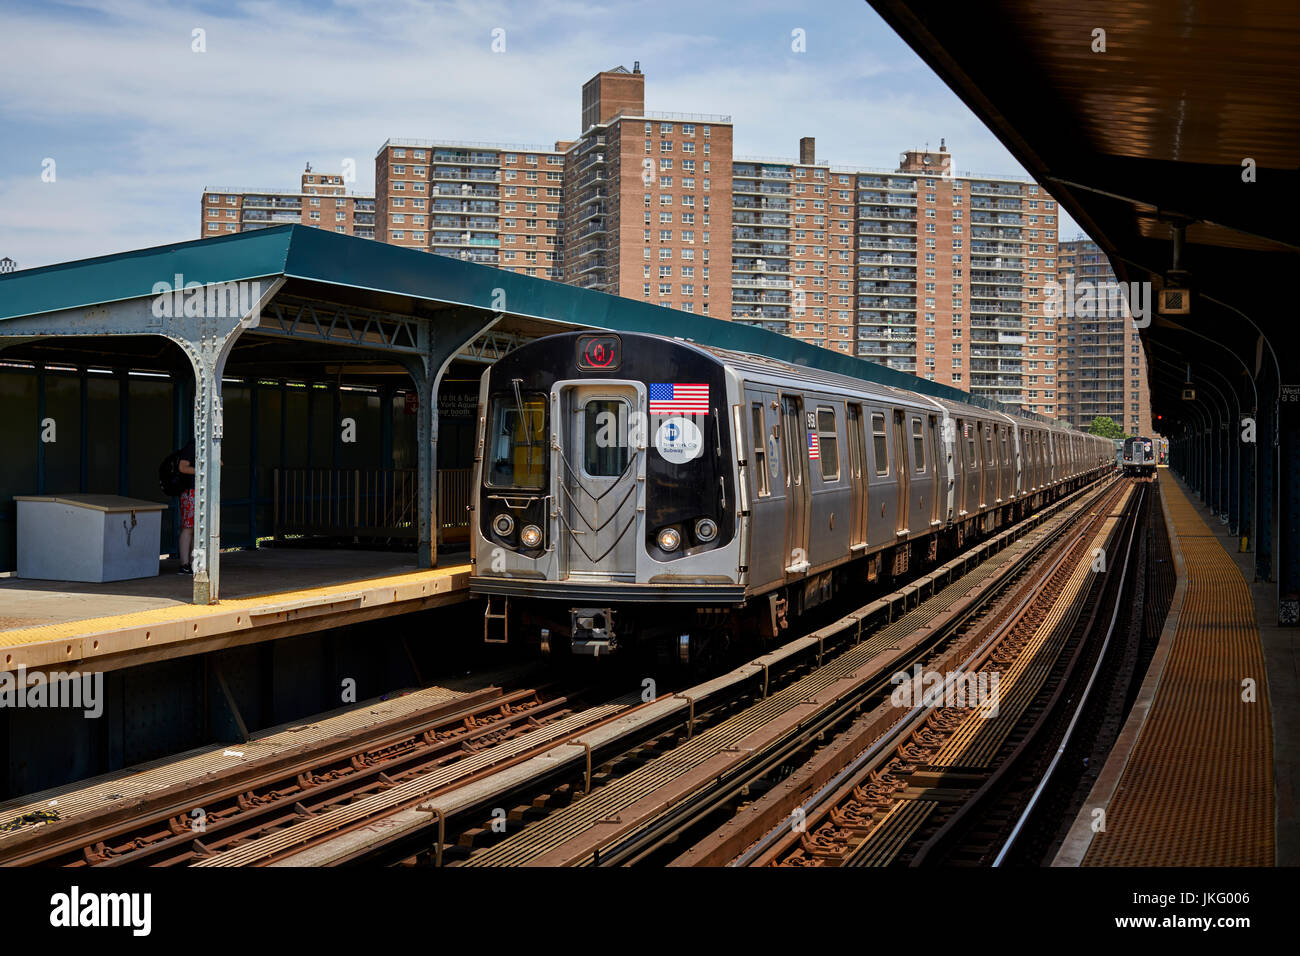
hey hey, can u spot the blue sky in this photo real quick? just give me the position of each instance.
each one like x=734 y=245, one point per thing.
x=138 y=123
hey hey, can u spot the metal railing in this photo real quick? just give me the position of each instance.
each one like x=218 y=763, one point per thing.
x=454 y=493
x=366 y=502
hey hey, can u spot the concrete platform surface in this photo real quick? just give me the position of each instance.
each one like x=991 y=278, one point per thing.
x=265 y=593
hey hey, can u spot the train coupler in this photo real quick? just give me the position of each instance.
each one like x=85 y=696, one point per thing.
x=593 y=630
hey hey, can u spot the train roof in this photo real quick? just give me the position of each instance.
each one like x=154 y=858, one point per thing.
x=743 y=362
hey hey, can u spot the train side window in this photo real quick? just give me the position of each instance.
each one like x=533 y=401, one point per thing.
x=762 y=487
x=988 y=446
x=918 y=445
x=1006 y=455
x=970 y=447
x=604 y=440
x=880 y=444
x=828 y=450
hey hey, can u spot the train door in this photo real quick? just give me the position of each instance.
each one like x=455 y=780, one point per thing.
x=796 y=484
x=992 y=491
x=1038 y=459
x=1033 y=460
x=857 y=465
x=1016 y=440
x=959 y=465
x=904 y=473
x=1027 y=461
x=971 y=462
x=936 y=480
x=767 y=488
x=597 y=482
x=918 y=512
x=980 y=429
x=1006 y=480
x=881 y=482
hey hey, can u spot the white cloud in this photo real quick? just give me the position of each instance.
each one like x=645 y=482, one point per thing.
x=140 y=124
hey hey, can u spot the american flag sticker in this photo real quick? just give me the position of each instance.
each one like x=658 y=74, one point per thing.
x=814 y=446
x=673 y=398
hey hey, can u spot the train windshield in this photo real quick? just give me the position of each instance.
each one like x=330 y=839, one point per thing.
x=516 y=442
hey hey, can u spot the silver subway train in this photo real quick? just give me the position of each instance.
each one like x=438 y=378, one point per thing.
x=634 y=488
x=1138 y=457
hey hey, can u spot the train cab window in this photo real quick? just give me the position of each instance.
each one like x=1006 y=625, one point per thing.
x=918 y=445
x=762 y=487
x=828 y=450
x=516 y=442
x=604 y=437
x=880 y=444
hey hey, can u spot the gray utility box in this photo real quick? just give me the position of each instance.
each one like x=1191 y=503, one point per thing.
x=88 y=537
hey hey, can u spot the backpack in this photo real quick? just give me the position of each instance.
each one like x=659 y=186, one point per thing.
x=170 y=479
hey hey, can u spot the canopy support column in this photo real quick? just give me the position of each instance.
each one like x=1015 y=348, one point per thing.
x=208 y=340
x=441 y=340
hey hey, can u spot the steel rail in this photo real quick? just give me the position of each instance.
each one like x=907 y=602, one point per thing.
x=884 y=746
x=1083 y=698
x=632 y=846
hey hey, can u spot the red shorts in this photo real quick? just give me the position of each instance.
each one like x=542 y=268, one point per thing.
x=187 y=508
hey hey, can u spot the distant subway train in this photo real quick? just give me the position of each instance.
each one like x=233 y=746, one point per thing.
x=635 y=488
x=1138 y=457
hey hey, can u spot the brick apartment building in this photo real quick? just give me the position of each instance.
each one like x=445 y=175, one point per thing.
x=919 y=268
x=321 y=201
x=1103 y=367
x=489 y=203
x=648 y=200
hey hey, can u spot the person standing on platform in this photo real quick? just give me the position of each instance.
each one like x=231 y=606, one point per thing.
x=186 y=468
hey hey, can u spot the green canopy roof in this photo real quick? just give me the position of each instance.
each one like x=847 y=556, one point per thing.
x=364 y=265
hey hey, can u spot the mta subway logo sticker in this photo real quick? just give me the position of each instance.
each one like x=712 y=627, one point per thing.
x=674 y=398
x=678 y=440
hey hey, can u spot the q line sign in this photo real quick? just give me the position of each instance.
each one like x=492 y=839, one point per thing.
x=599 y=352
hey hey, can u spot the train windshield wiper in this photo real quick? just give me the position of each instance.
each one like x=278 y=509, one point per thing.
x=523 y=419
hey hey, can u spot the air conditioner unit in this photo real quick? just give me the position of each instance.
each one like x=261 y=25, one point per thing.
x=1175 y=301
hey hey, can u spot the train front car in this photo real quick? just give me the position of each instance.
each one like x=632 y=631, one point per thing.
x=605 y=478
x=1139 y=457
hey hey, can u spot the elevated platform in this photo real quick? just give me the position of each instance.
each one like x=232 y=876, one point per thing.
x=1190 y=781
x=268 y=594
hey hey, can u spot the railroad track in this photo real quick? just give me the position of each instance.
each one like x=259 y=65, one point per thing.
x=915 y=793
x=540 y=752
x=654 y=805
x=1118 y=670
x=183 y=825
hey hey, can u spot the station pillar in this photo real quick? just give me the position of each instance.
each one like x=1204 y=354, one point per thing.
x=207 y=339
x=441 y=340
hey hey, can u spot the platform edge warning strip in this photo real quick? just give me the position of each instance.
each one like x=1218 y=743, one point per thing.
x=90 y=638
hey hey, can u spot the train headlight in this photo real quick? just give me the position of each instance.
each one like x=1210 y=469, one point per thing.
x=670 y=539
x=503 y=524
x=706 y=529
x=531 y=536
